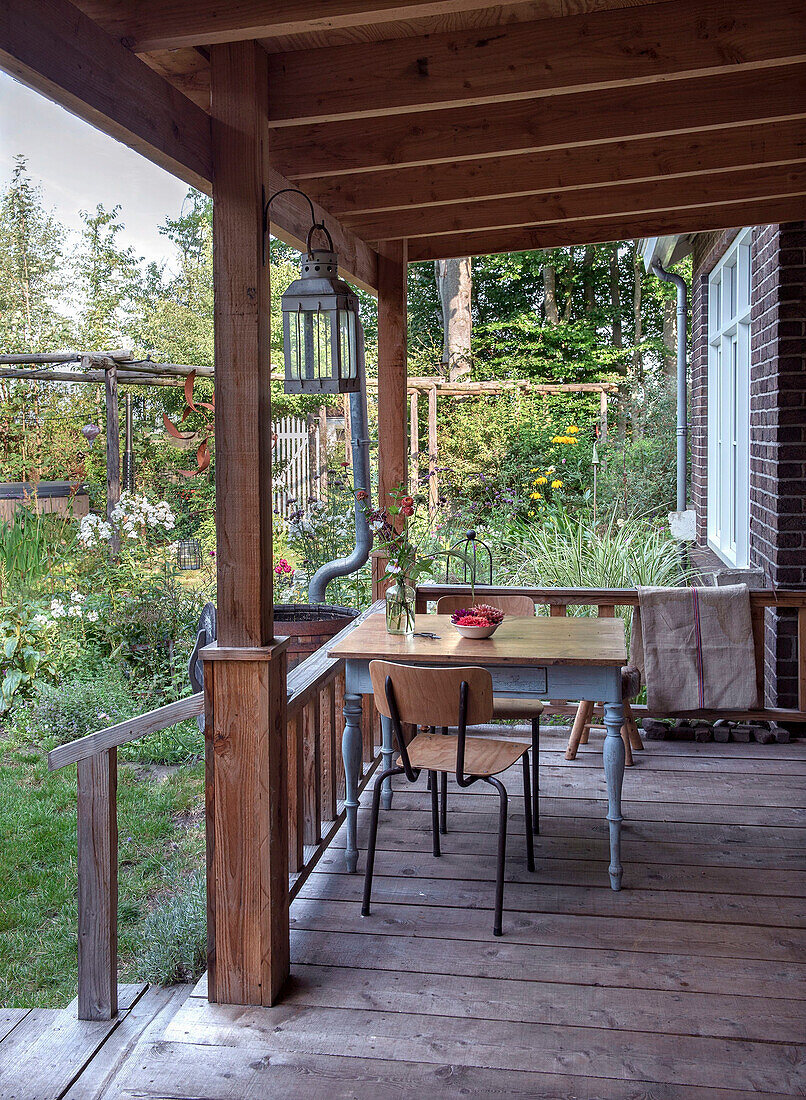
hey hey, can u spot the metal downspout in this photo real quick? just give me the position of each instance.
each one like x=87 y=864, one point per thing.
x=341 y=567
x=682 y=395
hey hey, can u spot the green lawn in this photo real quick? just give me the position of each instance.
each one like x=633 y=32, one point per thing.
x=161 y=841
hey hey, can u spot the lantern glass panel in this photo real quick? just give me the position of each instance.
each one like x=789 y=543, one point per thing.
x=347 y=344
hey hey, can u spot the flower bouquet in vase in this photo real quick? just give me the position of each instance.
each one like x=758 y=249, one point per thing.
x=394 y=536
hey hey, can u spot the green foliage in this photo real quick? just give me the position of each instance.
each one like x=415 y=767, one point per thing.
x=174 y=938
x=23 y=657
x=523 y=347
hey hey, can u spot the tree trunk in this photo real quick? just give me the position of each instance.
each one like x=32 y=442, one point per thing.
x=588 y=287
x=569 y=290
x=637 y=357
x=550 y=294
x=615 y=300
x=454 y=284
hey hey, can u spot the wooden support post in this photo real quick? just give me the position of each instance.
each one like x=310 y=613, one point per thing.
x=247 y=814
x=433 y=482
x=112 y=449
x=414 y=442
x=98 y=887
x=392 y=370
x=603 y=415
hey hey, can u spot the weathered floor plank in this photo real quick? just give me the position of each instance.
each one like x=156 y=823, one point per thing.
x=687 y=985
x=60 y=1051
x=198 y=1071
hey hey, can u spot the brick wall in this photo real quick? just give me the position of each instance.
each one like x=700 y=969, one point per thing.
x=778 y=433
x=708 y=250
x=777 y=421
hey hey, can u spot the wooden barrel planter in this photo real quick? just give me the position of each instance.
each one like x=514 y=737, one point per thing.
x=309 y=626
x=65 y=497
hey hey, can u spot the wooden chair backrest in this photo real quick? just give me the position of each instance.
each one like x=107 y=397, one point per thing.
x=518 y=607
x=430 y=696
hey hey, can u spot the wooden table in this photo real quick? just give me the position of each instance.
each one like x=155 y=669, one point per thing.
x=543 y=658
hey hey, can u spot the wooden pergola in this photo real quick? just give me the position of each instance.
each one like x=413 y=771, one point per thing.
x=422 y=130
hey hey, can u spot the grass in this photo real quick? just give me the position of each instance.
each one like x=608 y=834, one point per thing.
x=161 y=844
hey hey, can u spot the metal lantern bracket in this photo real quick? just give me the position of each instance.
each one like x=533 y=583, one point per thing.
x=314 y=223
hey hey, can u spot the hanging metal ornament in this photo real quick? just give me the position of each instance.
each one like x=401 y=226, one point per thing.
x=90 y=433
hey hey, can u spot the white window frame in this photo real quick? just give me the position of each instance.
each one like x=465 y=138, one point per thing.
x=729 y=294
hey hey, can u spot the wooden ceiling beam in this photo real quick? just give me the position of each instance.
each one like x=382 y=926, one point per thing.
x=167 y=24
x=557 y=234
x=52 y=47
x=584 y=204
x=526 y=126
x=604 y=49
x=645 y=159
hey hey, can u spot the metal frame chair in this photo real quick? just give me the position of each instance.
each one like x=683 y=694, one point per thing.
x=426 y=697
x=517 y=607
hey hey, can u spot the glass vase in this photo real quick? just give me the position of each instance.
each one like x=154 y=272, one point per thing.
x=400 y=608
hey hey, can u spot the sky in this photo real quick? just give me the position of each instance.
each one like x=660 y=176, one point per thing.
x=79 y=167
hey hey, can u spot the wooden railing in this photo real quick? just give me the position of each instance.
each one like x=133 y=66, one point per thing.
x=606 y=600
x=315 y=804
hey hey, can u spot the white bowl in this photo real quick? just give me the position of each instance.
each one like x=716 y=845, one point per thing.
x=477 y=631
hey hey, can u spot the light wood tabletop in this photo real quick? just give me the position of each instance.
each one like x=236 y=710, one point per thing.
x=537 y=641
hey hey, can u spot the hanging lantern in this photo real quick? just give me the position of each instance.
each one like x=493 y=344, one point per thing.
x=322 y=334
x=90 y=433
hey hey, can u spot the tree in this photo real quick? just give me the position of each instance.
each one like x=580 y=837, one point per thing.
x=455 y=285
x=32 y=280
x=108 y=280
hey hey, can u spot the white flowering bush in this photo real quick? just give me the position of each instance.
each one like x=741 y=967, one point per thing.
x=133 y=518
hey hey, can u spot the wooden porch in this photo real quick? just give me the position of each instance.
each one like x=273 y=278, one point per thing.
x=689 y=983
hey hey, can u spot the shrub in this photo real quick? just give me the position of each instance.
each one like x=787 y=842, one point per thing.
x=174 y=937
x=75 y=708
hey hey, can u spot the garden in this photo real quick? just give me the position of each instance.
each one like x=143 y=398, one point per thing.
x=98 y=614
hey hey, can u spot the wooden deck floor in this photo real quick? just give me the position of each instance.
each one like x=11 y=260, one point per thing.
x=689 y=983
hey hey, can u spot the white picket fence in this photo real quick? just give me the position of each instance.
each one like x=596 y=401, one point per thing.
x=298 y=450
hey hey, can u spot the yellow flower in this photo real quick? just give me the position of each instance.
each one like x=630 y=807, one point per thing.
x=556 y=484
x=536 y=496
x=541 y=481
x=558 y=439
x=572 y=429
x=531 y=513
x=535 y=470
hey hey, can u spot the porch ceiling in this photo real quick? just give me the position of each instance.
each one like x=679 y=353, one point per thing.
x=467 y=128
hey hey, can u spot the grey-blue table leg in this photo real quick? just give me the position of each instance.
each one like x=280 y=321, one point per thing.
x=352 y=752
x=387 y=751
x=614 y=776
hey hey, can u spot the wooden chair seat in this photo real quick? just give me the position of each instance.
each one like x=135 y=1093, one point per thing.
x=505 y=707
x=437 y=752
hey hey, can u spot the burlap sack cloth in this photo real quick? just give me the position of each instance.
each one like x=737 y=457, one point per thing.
x=694 y=647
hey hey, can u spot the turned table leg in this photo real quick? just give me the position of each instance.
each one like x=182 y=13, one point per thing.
x=351 y=751
x=614 y=776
